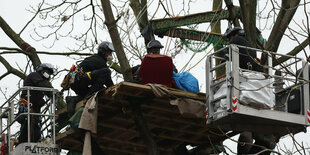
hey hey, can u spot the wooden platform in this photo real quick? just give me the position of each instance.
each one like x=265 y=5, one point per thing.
x=118 y=133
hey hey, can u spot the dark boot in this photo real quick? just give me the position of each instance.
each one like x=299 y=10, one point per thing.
x=71 y=103
x=100 y=79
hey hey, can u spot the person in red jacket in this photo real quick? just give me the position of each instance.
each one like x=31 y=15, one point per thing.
x=155 y=67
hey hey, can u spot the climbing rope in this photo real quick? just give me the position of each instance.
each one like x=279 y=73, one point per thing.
x=211 y=41
x=204 y=56
x=187 y=44
x=168 y=42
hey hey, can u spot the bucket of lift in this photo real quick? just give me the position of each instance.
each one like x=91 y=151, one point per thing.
x=8 y=124
x=290 y=113
x=36 y=149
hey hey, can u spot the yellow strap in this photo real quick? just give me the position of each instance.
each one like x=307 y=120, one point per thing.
x=88 y=74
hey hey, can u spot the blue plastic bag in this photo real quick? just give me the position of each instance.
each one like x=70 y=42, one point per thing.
x=186 y=81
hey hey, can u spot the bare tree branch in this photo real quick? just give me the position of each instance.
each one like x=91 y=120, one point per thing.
x=38 y=11
x=248 y=16
x=114 y=34
x=284 y=17
x=295 y=51
x=20 y=43
x=18 y=51
x=232 y=13
x=10 y=69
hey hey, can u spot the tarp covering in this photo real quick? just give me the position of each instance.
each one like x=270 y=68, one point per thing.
x=256 y=91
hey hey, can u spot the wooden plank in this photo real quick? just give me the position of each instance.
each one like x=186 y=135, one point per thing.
x=61 y=136
x=116 y=149
x=64 y=110
x=123 y=142
x=159 y=135
x=214 y=38
x=166 y=23
x=127 y=87
x=169 y=126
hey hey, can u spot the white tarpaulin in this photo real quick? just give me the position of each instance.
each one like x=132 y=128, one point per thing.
x=256 y=91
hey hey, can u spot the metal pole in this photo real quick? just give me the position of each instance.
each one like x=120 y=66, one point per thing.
x=28 y=115
x=306 y=90
x=54 y=118
x=228 y=77
x=270 y=63
x=11 y=116
x=209 y=95
x=9 y=125
x=1 y=120
x=236 y=77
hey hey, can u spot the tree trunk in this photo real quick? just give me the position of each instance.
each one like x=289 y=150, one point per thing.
x=232 y=13
x=117 y=43
x=288 y=9
x=125 y=68
x=284 y=17
x=216 y=28
x=143 y=129
x=248 y=16
x=29 y=50
x=140 y=12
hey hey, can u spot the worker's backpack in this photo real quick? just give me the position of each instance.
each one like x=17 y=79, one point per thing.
x=70 y=77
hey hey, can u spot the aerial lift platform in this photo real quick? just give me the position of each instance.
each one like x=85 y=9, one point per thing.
x=283 y=82
x=10 y=128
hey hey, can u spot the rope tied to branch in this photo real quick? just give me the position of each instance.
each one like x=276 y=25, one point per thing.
x=26 y=47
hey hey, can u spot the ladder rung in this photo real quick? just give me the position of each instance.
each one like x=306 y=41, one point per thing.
x=217 y=83
x=218 y=66
x=217 y=99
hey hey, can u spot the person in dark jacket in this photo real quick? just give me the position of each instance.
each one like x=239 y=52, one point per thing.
x=236 y=36
x=40 y=78
x=96 y=73
x=247 y=58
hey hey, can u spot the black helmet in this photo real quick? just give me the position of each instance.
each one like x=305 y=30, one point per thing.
x=154 y=44
x=105 y=46
x=232 y=31
x=48 y=66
